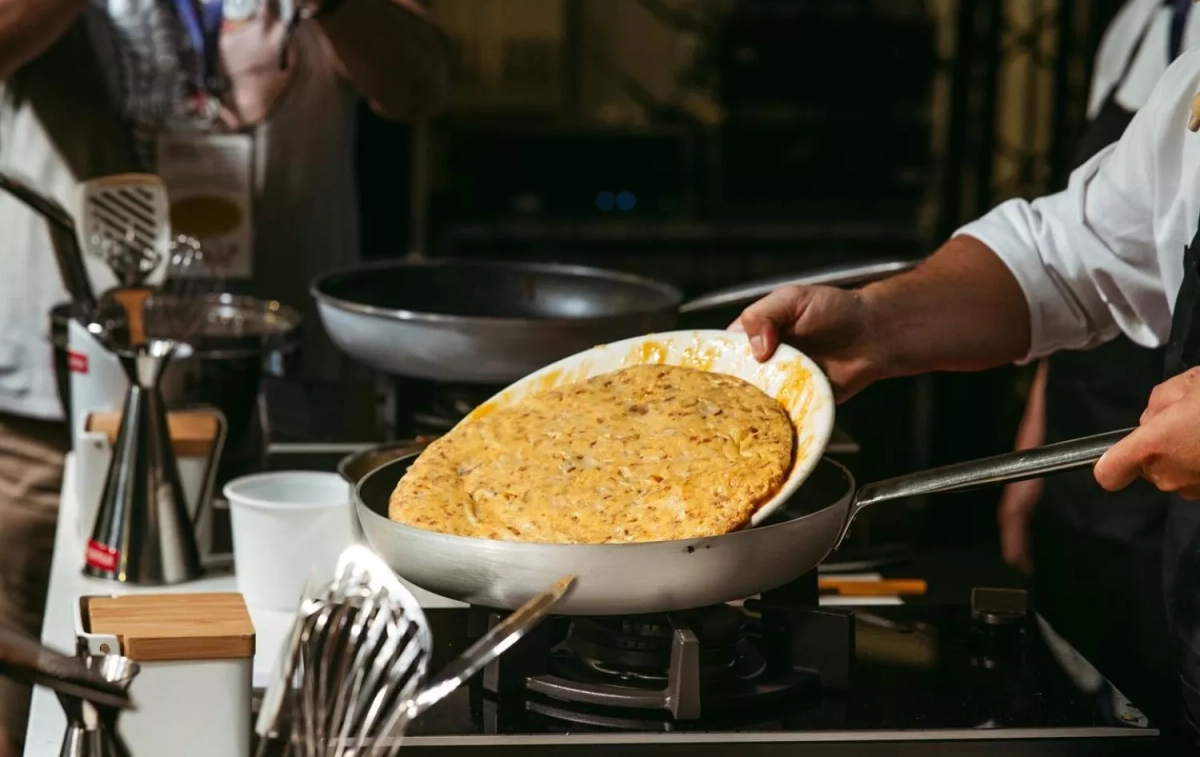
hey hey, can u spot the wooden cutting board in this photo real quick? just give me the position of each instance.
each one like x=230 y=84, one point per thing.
x=193 y=432
x=175 y=626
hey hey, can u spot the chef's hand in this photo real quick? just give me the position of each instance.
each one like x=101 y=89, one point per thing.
x=1165 y=447
x=832 y=326
x=961 y=309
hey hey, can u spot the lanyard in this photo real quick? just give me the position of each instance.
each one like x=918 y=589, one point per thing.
x=203 y=26
x=1178 y=25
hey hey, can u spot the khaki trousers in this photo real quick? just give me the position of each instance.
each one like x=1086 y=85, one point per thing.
x=31 y=470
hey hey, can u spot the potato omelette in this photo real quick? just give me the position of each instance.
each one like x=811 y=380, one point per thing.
x=645 y=453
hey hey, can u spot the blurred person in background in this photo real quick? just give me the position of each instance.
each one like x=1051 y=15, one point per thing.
x=1092 y=553
x=252 y=100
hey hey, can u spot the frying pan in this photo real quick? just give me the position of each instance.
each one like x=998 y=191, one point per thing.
x=790 y=535
x=646 y=577
x=476 y=321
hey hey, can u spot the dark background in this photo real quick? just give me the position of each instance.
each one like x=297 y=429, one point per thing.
x=756 y=137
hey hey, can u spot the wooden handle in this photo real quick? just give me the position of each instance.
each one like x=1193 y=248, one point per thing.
x=193 y=432
x=131 y=300
x=887 y=587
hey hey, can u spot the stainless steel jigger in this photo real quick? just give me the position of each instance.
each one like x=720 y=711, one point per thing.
x=143 y=532
x=92 y=728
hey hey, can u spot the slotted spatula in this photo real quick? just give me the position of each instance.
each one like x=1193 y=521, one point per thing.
x=125 y=219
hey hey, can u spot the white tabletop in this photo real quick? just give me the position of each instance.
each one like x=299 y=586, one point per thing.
x=67 y=584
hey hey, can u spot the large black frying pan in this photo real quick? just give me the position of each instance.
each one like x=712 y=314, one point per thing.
x=493 y=322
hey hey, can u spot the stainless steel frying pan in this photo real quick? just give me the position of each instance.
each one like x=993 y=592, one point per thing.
x=476 y=321
x=626 y=579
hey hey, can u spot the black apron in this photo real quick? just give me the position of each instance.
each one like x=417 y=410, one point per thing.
x=1181 y=542
x=1098 y=557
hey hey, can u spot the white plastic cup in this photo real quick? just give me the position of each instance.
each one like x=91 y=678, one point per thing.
x=288 y=527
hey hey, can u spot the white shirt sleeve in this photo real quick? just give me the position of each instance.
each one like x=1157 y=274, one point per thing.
x=1104 y=255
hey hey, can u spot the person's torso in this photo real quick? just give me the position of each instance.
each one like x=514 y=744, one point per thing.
x=1098 y=556
x=57 y=132
x=1090 y=392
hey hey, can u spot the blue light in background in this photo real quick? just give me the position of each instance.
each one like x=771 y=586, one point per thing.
x=605 y=200
x=626 y=201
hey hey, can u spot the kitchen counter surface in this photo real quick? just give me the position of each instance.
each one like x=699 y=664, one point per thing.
x=67 y=583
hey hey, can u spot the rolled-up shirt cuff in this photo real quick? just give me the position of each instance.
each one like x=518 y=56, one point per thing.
x=1053 y=324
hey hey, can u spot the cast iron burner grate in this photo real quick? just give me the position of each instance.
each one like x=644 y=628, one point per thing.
x=703 y=661
x=636 y=651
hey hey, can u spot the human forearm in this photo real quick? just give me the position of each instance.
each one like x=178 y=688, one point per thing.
x=1032 y=430
x=392 y=54
x=961 y=310
x=28 y=27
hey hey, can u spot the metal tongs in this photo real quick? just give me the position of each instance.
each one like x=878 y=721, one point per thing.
x=352 y=675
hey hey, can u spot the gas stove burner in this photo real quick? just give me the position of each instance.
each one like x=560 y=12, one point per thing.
x=637 y=649
x=714 y=660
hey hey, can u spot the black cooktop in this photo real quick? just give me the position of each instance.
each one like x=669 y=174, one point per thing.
x=926 y=680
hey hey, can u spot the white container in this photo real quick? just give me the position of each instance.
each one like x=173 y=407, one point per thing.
x=196 y=652
x=97 y=382
x=288 y=527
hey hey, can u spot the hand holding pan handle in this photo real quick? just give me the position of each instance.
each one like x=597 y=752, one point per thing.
x=999 y=469
x=839 y=275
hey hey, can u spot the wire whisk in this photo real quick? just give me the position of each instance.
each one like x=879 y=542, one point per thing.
x=353 y=674
x=179 y=310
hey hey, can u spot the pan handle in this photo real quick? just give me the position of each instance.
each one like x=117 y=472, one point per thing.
x=45 y=206
x=839 y=275
x=998 y=469
x=62 y=237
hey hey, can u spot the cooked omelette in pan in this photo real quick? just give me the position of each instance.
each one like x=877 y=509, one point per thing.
x=646 y=453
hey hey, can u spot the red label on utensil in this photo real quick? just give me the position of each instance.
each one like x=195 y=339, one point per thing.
x=100 y=556
x=77 y=362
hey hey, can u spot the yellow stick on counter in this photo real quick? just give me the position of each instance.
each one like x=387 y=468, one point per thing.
x=886 y=587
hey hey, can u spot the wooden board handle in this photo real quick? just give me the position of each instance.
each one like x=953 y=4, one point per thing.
x=131 y=300
x=193 y=432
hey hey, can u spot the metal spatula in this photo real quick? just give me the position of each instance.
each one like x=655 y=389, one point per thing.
x=125 y=219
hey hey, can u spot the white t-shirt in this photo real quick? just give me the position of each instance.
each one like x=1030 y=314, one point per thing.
x=56 y=133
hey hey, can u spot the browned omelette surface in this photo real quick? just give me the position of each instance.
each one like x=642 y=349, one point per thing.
x=646 y=453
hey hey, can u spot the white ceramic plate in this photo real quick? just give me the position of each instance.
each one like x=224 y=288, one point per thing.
x=789 y=376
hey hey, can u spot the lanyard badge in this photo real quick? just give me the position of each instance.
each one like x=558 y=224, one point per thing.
x=202 y=21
